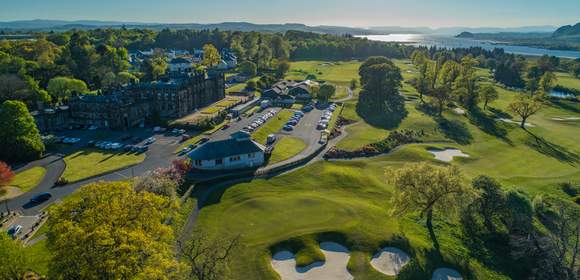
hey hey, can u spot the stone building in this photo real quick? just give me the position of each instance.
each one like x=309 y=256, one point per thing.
x=174 y=96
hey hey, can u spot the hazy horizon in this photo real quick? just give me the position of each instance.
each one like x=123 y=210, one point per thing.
x=362 y=13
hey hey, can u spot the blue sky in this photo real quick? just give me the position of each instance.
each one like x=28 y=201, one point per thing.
x=433 y=13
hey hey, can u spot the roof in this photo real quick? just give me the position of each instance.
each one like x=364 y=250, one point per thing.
x=225 y=148
x=179 y=60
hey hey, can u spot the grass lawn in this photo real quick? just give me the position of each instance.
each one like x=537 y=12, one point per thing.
x=40 y=257
x=349 y=199
x=272 y=126
x=340 y=72
x=567 y=80
x=91 y=162
x=286 y=148
x=28 y=179
x=341 y=92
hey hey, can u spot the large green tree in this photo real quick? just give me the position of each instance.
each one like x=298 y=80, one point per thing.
x=248 y=68
x=14 y=262
x=325 y=92
x=19 y=135
x=111 y=231
x=61 y=88
x=429 y=190
x=211 y=56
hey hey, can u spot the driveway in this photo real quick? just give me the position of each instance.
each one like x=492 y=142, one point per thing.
x=160 y=154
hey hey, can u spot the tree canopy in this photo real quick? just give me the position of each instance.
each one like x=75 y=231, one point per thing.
x=19 y=132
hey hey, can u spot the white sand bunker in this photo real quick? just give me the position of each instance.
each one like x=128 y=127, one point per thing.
x=390 y=261
x=446 y=274
x=334 y=268
x=514 y=122
x=566 y=118
x=459 y=111
x=447 y=155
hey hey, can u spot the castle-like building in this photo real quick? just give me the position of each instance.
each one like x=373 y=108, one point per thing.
x=174 y=96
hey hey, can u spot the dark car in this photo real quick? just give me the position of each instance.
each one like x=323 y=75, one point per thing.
x=41 y=197
x=203 y=140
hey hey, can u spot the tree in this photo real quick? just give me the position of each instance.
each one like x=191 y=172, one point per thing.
x=429 y=190
x=110 y=231
x=154 y=67
x=264 y=56
x=206 y=258
x=380 y=78
x=547 y=81
x=13 y=87
x=248 y=69
x=488 y=93
x=325 y=92
x=282 y=68
x=14 y=263
x=465 y=86
x=280 y=47
x=525 y=107
x=6 y=174
x=491 y=202
x=61 y=88
x=520 y=213
x=19 y=132
x=211 y=56
x=353 y=84
x=441 y=97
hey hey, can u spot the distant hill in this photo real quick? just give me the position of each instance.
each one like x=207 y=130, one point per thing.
x=465 y=34
x=567 y=30
x=60 y=25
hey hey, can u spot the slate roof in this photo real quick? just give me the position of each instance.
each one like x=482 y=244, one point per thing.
x=179 y=60
x=225 y=148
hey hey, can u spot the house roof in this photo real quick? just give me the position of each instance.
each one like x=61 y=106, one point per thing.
x=179 y=60
x=226 y=148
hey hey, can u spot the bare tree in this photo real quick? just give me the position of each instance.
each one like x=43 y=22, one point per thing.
x=206 y=258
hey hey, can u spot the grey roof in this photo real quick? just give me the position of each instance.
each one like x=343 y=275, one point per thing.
x=179 y=60
x=225 y=148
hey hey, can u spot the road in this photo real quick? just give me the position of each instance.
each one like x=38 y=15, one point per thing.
x=160 y=154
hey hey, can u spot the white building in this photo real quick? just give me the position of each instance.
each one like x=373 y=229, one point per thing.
x=237 y=152
x=179 y=64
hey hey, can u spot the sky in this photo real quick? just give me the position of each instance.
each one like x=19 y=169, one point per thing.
x=360 y=13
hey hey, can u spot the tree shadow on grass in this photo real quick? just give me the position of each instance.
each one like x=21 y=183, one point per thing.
x=567 y=105
x=387 y=116
x=499 y=113
x=455 y=130
x=545 y=147
x=488 y=124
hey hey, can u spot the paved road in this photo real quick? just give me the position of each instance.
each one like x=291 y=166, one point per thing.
x=160 y=154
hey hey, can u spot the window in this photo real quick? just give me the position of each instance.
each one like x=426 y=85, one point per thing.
x=252 y=155
x=236 y=158
x=219 y=161
x=197 y=162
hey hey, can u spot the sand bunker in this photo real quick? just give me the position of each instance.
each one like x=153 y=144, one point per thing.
x=514 y=122
x=566 y=118
x=390 y=261
x=459 y=111
x=446 y=274
x=447 y=155
x=334 y=268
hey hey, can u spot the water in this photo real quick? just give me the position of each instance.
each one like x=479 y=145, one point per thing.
x=564 y=95
x=450 y=42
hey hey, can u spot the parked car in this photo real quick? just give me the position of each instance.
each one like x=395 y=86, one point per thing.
x=202 y=140
x=183 y=151
x=150 y=140
x=323 y=139
x=288 y=127
x=14 y=230
x=142 y=149
x=92 y=127
x=41 y=197
x=128 y=148
x=307 y=108
x=271 y=139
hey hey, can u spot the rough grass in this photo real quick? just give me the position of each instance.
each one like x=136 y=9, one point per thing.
x=28 y=179
x=567 y=80
x=272 y=126
x=287 y=147
x=340 y=73
x=92 y=162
